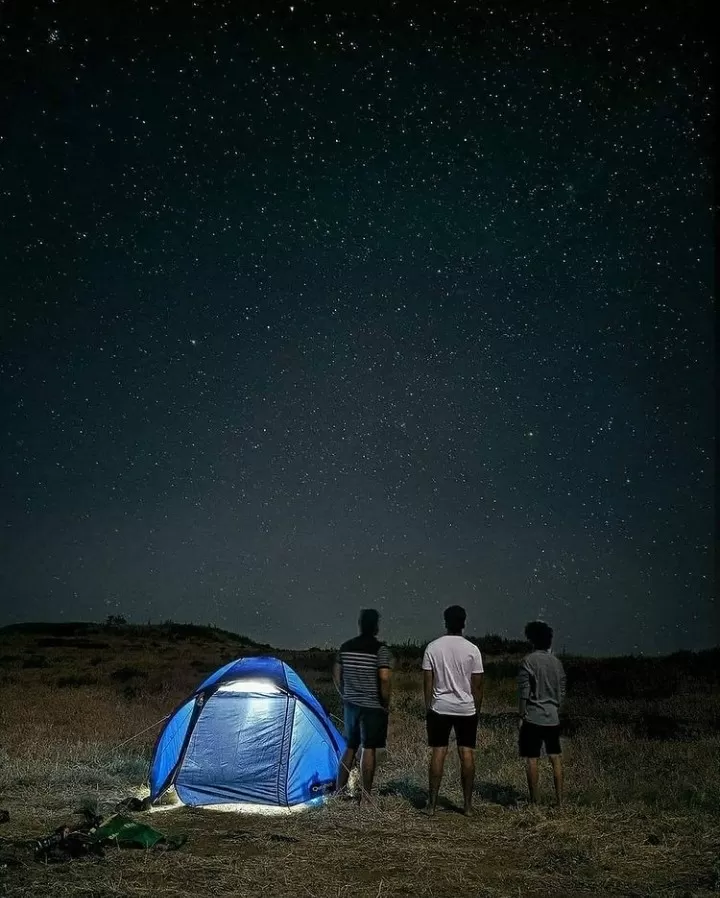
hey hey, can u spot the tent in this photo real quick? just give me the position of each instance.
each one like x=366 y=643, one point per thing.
x=251 y=733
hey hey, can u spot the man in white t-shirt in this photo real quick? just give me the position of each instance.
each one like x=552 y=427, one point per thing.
x=453 y=686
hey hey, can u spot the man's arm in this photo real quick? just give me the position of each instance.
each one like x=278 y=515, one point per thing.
x=522 y=703
x=563 y=684
x=428 y=683
x=523 y=692
x=477 y=687
x=337 y=675
x=384 y=673
x=384 y=680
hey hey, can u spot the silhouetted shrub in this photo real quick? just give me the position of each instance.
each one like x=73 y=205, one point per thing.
x=35 y=661
x=318 y=659
x=115 y=620
x=408 y=651
x=64 y=628
x=60 y=642
x=501 y=670
x=703 y=665
x=494 y=644
x=623 y=678
x=123 y=674
x=490 y=644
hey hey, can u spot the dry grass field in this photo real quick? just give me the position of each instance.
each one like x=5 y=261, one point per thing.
x=642 y=767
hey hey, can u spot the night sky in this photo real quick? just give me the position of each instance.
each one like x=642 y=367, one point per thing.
x=306 y=310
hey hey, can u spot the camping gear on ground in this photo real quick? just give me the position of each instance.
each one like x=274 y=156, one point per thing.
x=91 y=837
x=128 y=833
x=67 y=843
x=252 y=732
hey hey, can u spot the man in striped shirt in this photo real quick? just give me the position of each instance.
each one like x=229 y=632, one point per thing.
x=362 y=675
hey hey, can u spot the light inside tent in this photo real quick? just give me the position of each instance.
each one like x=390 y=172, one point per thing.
x=257 y=687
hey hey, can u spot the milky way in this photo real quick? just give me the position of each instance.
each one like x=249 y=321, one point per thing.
x=306 y=310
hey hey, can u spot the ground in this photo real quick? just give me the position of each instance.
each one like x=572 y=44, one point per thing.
x=80 y=709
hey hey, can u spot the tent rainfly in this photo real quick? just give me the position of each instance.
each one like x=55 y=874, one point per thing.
x=251 y=733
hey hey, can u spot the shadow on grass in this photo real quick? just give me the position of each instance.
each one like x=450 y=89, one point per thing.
x=492 y=793
x=411 y=792
x=498 y=793
x=416 y=795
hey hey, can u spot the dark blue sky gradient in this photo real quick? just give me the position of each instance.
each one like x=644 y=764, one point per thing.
x=306 y=310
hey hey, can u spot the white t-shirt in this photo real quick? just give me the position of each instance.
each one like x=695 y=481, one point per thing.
x=452 y=659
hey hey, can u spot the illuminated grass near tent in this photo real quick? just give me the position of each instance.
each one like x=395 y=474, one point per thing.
x=173 y=803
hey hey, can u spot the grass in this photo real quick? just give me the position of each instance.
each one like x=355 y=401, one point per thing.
x=641 y=820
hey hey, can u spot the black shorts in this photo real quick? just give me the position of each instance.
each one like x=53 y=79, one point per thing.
x=439 y=727
x=366 y=727
x=533 y=737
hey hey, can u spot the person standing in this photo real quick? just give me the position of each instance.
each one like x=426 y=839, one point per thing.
x=541 y=691
x=453 y=686
x=362 y=672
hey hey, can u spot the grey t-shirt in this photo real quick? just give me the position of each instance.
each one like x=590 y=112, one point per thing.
x=541 y=682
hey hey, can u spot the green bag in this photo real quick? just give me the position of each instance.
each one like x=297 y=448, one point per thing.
x=128 y=833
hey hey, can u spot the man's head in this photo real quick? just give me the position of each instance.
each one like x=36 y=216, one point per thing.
x=539 y=634
x=369 y=622
x=455 y=619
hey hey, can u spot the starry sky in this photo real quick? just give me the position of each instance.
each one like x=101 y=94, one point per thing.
x=308 y=307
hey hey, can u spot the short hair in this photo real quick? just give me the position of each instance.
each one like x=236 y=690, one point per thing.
x=455 y=617
x=539 y=634
x=369 y=622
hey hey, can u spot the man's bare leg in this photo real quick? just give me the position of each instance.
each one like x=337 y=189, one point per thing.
x=346 y=762
x=531 y=769
x=467 y=777
x=435 y=774
x=557 y=769
x=367 y=769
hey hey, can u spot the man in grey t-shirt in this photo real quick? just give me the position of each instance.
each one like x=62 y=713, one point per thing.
x=541 y=690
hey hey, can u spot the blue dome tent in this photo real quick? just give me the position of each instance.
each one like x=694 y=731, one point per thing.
x=251 y=733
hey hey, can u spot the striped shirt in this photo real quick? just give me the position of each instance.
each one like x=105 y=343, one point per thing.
x=360 y=659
